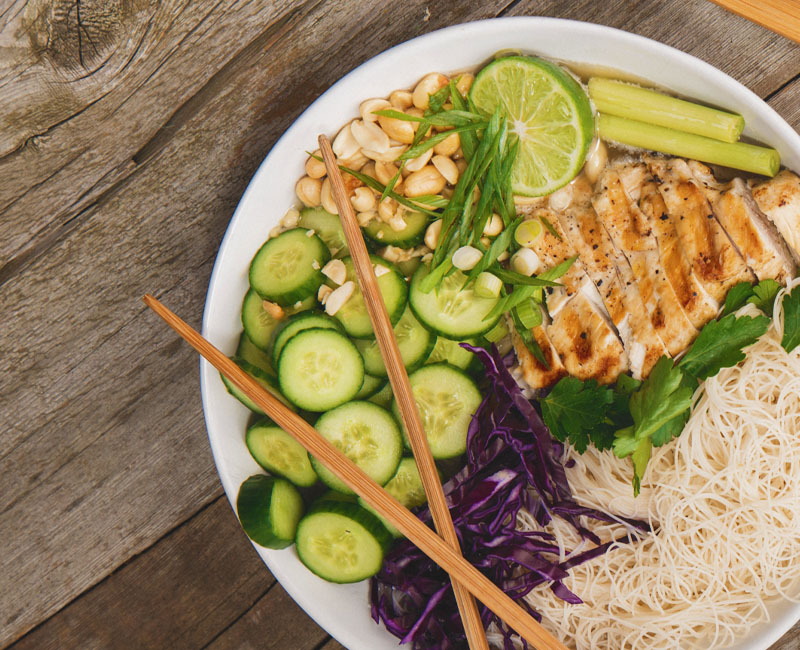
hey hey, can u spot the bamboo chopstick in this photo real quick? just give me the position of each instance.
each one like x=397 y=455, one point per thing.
x=398 y=377
x=352 y=476
x=780 y=16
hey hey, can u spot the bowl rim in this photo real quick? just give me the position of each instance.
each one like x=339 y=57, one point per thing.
x=789 y=146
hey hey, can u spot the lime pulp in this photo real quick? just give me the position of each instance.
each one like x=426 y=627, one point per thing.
x=547 y=110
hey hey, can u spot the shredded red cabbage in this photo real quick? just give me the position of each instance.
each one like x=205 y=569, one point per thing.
x=512 y=462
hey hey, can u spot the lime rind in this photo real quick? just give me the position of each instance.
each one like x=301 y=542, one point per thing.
x=547 y=111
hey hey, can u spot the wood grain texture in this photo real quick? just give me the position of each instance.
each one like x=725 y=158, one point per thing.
x=189 y=585
x=780 y=16
x=123 y=154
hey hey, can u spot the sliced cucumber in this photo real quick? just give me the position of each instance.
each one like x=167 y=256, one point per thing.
x=446 y=398
x=269 y=510
x=278 y=453
x=413 y=340
x=266 y=381
x=406 y=487
x=319 y=369
x=251 y=353
x=367 y=434
x=353 y=314
x=451 y=309
x=447 y=351
x=384 y=396
x=411 y=235
x=327 y=227
x=297 y=323
x=257 y=323
x=287 y=268
x=341 y=542
x=370 y=386
x=408 y=267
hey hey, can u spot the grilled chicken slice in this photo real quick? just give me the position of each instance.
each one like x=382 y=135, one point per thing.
x=588 y=347
x=715 y=260
x=779 y=199
x=607 y=267
x=634 y=236
x=579 y=296
x=536 y=374
x=553 y=249
x=753 y=234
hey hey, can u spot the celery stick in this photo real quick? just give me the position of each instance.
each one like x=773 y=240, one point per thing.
x=739 y=155
x=636 y=103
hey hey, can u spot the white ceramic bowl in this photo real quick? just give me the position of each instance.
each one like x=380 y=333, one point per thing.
x=343 y=610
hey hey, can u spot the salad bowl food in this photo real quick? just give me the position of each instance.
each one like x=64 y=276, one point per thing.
x=343 y=610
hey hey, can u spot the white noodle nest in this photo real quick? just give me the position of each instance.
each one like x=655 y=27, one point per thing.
x=724 y=498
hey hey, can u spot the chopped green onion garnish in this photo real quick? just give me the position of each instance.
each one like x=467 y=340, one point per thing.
x=497 y=332
x=529 y=313
x=528 y=232
x=488 y=285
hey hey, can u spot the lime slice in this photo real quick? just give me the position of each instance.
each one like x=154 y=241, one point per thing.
x=547 y=110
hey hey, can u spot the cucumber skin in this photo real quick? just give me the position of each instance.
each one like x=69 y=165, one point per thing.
x=394 y=315
x=395 y=239
x=299 y=293
x=352 y=511
x=258 y=374
x=437 y=454
x=310 y=477
x=255 y=495
x=415 y=279
x=301 y=401
x=277 y=333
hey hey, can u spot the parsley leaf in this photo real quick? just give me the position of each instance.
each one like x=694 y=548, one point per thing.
x=720 y=344
x=791 y=320
x=663 y=397
x=574 y=409
x=764 y=295
x=737 y=297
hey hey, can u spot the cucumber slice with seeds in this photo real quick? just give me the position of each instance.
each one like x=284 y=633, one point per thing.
x=251 y=353
x=296 y=324
x=451 y=309
x=448 y=351
x=341 y=542
x=406 y=487
x=328 y=228
x=353 y=314
x=446 y=398
x=367 y=434
x=384 y=396
x=370 y=386
x=413 y=340
x=411 y=235
x=320 y=369
x=269 y=510
x=278 y=453
x=286 y=269
x=266 y=381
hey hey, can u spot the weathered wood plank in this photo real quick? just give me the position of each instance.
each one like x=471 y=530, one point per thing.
x=189 y=585
x=66 y=161
x=274 y=622
x=787 y=102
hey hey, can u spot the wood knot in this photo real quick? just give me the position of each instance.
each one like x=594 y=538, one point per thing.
x=78 y=35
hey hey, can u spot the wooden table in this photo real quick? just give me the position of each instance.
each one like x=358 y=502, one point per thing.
x=128 y=131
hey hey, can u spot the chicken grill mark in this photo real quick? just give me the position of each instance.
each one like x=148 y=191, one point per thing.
x=659 y=242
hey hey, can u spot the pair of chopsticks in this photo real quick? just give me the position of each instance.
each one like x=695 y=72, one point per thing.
x=444 y=550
